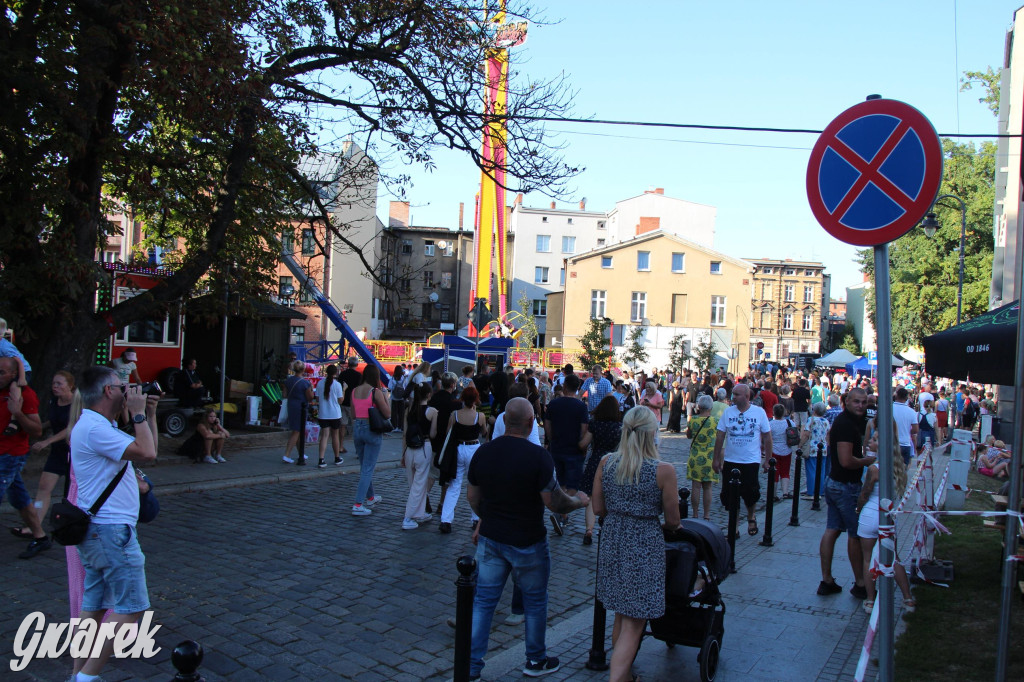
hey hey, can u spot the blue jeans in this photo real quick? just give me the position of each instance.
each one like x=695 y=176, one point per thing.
x=908 y=452
x=11 y=483
x=367 y=445
x=530 y=567
x=810 y=467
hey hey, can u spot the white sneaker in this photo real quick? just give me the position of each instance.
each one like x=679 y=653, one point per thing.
x=287 y=460
x=373 y=500
x=361 y=510
x=220 y=459
x=426 y=518
x=409 y=524
x=209 y=459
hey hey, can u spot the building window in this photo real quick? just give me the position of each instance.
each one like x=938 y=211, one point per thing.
x=808 y=294
x=638 y=306
x=803 y=347
x=561 y=277
x=288 y=242
x=569 y=243
x=428 y=247
x=606 y=261
x=570 y=221
x=405 y=284
x=407 y=247
x=600 y=243
x=298 y=334
x=544 y=219
x=790 y=272
x=678 y=262
x=766 y=291
x=285 y=287
x=766 y=319
x=785 y=349
x=808 y=322
x=540 y=275
x=446 y=313
x=540 y=307
x=543 y=243
x=305 y=295
x=788 y=293
x=808 y=273
x=601 y=224
x=597 y=304
x=446 y=280
x=787 y=320
x=426 y=311
x=767 y=271
x=449 y=250
x=643 y=261
x=718 y=310
x=678 y=309
x=308 y=243
x=152 y=331
x=716 y=267
x=428 y=279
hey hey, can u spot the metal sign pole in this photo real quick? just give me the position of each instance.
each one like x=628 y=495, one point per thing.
x=883 y=328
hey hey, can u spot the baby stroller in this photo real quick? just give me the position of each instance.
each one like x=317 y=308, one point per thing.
x=696 y=562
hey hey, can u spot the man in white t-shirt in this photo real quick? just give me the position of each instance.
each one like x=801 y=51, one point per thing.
x=906 y=423
x=744 y=442
x=115 y=576
x=924 y=396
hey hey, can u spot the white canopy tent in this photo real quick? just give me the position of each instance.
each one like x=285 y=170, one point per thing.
x=837 y=358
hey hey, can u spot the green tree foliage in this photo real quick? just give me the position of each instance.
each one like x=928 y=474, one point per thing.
x=924 y=271
x=678 y=355
x=528 y=324
x=989 y=81
x=705 y=355
x=194 y=118
x=849 y=340
x=594 y=344
x=635 y=352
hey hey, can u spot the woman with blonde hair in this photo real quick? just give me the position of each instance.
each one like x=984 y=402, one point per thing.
x=420 y=376
x=631 y=490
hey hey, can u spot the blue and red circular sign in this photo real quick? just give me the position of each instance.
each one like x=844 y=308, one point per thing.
x=874 y=172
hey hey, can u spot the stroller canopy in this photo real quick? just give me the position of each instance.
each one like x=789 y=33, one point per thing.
x=714 y=541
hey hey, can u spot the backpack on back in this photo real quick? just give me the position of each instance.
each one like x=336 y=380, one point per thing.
x=792 y=434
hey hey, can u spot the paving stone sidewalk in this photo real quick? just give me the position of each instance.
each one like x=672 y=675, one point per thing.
x=279 y=582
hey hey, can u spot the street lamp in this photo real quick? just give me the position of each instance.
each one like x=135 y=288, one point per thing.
x=930 y=225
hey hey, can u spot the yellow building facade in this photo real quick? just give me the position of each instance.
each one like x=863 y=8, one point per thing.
x=668 y=285
x=789 y=306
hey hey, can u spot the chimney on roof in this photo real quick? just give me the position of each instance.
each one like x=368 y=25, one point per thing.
x=398 y=214
x=659 y=190
x=552 y=204
x=462 y=211
x=583 y=204
x=519 y=199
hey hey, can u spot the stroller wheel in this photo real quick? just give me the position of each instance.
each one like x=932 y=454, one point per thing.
x=708 y=659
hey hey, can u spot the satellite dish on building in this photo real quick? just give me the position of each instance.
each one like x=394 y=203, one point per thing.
x=442 y=245
x=433 y=297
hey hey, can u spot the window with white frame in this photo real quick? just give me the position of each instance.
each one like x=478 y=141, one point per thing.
x=428 y=247
x=808 y=322
x=428 y=279
x=597 y=303
x=638 y=306
x=308 y=243
x=600 y=242
x=787 y=320
x=767 y=271
x=153 y=332
x=790 y=272
x=606 y=261
x=543 y=243
x=446 y=280
x=808 y=273
x=570 y=221
x=809 y=294
x=540 y=275
x=718 y=311
x=785 y=349
x=643 y=261
x=569 y=244
x=544 y=219
x=788 y=293
x=766 y=319
x=678 y=262
x=540 y=307
x=298 y=333
x=716 y=267
x=601 y=224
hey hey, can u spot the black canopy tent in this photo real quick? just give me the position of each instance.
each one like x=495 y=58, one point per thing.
x=983 y=349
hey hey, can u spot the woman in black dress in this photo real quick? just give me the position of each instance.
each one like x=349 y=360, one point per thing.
x=676 y=403
x=603 y=435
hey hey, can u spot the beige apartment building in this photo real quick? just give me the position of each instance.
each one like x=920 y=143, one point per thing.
x=789 y=307
x=669 y=285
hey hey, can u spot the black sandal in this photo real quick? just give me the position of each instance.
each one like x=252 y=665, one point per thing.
x=752 y=528
x=19 y=532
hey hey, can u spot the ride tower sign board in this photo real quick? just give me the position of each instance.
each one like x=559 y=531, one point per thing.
x=873 y=174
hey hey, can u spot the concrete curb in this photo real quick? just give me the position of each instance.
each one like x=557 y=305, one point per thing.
x=246 y=481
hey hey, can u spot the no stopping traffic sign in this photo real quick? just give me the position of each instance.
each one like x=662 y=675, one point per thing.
x=874 y=172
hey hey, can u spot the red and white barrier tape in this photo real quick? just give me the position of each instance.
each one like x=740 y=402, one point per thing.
x=869 y=639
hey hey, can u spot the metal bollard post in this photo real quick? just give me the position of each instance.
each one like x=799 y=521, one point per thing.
x=769 y=510
x=794 y=519
x=465 y=586
x=598 y=656
x=301 y=459
x=186 y=658
x=818 y=461
x=734 y=515
x=684 y=503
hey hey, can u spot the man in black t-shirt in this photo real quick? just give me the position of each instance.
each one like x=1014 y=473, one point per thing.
x=482 y=382
x=499 y=390
x=845 y=450
x=566 y=421
x=511 y=481
x=801 y=399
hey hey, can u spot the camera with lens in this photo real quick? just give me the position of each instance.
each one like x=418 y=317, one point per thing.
x=151 y=388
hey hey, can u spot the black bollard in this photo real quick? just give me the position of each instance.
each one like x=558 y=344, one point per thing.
x=818 y=461
x=684 y=503
x=301 y=459
x=769 y=509
x=186 y=658
x=734 y=515
x=598 y=657
x=465 y=586
x=794 y=519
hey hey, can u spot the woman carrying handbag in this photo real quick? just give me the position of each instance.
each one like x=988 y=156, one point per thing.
x=368 y=396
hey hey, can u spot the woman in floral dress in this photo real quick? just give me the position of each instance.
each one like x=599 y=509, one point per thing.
x=702 y=431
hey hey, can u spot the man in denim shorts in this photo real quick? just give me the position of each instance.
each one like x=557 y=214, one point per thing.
x=115 y=575
x=845 y=447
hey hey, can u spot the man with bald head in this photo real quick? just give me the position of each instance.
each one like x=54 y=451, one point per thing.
x=511 y=481
x=744 y=442
x=845 y=450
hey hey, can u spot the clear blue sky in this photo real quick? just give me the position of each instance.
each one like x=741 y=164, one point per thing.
x=782 y=64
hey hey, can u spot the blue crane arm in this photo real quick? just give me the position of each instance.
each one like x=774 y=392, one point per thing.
x=332 y=313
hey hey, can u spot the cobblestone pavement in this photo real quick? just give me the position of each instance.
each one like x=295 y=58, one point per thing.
x=279 y=582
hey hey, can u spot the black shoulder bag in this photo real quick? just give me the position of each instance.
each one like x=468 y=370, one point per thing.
x=70 y=523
